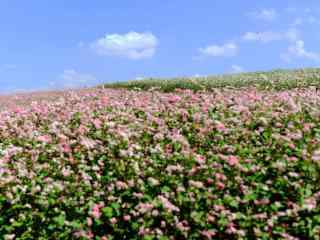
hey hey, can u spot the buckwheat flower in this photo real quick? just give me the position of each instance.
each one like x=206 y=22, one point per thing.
x=181 y=189
x=233 y=160
x=208 y=234
x=218 y=208
x=9 y=236
x=138 y=195
x=200 y=159
x=97 y=123
x=309 y=204
x=66 y=172
x=121 y=185
x=231 y=229
x=66 y=148
x=220 y=185
x=174 y=99
x=44 y=138
x=182 y=226
x=174 y=168
x=210 y=181
x=144 y=207
x=89 y=235
x=168 y=205
x=287 y=236
x=211 y=219
x=88 y=143
x=260 y=216
x=196 y=184
x=113 y=220
x=307 y=127
x=131 y=183
x=220 y=126
x=96 y=213
x=89 y=222
x=261 y=202
x=220 y=176
x=153 y=181
x=316 y=155
x=163 y=224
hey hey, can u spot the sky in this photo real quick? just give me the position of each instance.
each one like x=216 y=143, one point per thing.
x=64 y=44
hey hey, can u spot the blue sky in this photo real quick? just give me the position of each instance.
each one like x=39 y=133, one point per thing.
x=56 y=44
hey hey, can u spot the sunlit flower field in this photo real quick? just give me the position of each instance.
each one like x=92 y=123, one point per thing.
x=123 y=164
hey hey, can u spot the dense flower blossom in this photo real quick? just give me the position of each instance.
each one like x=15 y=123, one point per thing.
x=114 y=164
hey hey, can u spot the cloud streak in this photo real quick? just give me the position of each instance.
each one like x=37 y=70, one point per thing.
x=71 y=78
x=267 y=15
x=132 y=45
x=270 y=36
x=225 y=50
x=297 y=50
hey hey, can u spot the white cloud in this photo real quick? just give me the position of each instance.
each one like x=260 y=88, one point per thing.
x=132 y=45
x=270 y=36
x=236 y=69
x=297 y=50
x=70 y=78
x=262 y=36
x=265 y=15
x=298 y=21
x=226 y=50
x=197 y=75
x=140 y=78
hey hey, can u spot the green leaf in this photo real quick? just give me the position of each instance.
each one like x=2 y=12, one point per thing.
x=60 y=220
x=108 y=212
x=115 y=206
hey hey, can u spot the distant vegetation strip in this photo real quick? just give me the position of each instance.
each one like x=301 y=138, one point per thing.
x=271 y=80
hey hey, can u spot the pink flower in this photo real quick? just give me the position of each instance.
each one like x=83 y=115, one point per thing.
x=88 y=143
x=89 y=222
x=66 y=148
x=44 y=138
x=211 y=219
x=291 y=145
x=220 y=127
x=220 y=176
x=174 y=99
x=113 y=220
x=104 y=100
x=90 y=235
x=220 y=185
x=97 y=123
x=127 y=218
x=233 y=160
x=144 y=207
x=200 y=159
x=231 y=229
x=96 y=213
x=121 y=185
x=168 y=205
x=210 y=181
x=209 y=234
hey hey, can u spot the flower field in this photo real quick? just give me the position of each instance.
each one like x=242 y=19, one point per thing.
x=121 y=164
